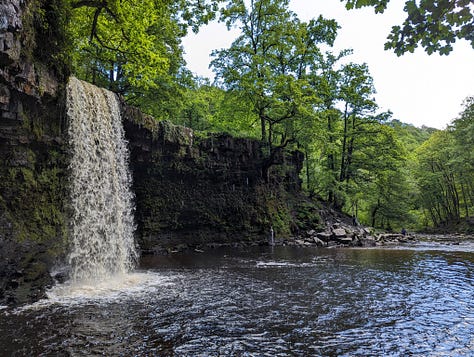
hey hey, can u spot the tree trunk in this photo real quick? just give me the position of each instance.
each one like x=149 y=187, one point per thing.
x=464 y=199
x=263 y=126
x=308 y=177
x=374 y=213
x=342 y=172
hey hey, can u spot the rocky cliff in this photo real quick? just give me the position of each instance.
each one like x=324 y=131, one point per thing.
x=195 y=191
x=32 y=158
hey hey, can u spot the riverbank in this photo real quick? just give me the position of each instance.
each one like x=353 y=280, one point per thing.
x=337 y=234
x=448 y=238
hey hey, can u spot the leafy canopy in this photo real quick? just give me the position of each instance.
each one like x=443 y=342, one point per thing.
x=269 y=61
x=128 y=44
x=434 y=24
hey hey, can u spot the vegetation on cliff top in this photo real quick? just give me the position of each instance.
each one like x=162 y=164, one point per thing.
x=279 y=84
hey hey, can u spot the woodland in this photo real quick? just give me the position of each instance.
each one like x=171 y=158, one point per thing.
x=280 y=83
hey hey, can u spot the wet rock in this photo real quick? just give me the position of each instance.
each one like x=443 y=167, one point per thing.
x=366 y=231
x=202 y=190
x=367 y=242
x=324 y=236
x=4 y=96
x=344 y=240
x=389 y=238
x=33 y=161
x=339 y=232
x=319 y=242
x=10 y=24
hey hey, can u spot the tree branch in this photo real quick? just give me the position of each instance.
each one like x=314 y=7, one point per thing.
x=89 y=3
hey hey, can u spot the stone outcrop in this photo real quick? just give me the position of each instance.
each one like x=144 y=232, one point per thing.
x=343 y=234
x=32 y=160
x=193 y=192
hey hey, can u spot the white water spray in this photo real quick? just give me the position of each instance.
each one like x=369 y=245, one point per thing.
x=102 y=224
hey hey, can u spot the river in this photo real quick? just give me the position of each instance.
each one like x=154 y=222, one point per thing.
x=269 y=301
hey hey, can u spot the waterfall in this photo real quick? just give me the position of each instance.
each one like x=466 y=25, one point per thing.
x=102 y=227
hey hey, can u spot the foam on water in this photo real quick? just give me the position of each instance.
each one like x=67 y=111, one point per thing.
x=111 y=288
x=282 y=264
x=131 y=286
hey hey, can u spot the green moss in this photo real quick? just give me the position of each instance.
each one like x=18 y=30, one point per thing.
x=34 y=271
x=175 y=133
x=307 y=215
x=279 y=216
x=34 y=198
x=29 y=33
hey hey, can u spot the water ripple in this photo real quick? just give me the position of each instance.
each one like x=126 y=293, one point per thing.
x=279 y=302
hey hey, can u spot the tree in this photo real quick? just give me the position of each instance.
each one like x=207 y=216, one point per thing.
x=437 y=179
x=347 y=108
x=356 y=94
x=268 y=63
x=462 y=130
x=206 y=107
x=131 y=46
x=325 y=79
x=410 y=135
x=434 y=24
x=380 y=177
x=445 y=170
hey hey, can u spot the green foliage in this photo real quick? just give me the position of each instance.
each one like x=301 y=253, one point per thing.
x=268 y=62
x=206 y=107
x=307 y=216
x=44 y=25
x=463 y=131
x=445 y=171
x=436 y=178
x=348 y=129
x=410 y=135
x=118 y=46
x=175 y=134
x=434 y=24
x=134 y=47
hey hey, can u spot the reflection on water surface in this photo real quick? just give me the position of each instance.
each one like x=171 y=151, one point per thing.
x=264 y=301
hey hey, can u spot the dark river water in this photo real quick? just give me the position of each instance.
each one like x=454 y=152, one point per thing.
x=406 y=301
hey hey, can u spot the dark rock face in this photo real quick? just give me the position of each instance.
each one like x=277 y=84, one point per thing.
x=192 y=192
x=32 y=164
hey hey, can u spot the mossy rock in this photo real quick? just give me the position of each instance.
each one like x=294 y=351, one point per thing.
x=175 y=134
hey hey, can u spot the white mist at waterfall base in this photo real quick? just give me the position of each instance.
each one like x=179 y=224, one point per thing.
x=133 y=286
x=102 y=249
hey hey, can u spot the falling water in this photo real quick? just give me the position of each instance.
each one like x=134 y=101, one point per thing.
x=102 y=224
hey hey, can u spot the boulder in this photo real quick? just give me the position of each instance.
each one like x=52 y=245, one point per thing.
x=324 y=236
x=318 y=242
x=390 y=237
x=366 y=231
x=367 y=242
x=345 y=240
x=339 y=232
